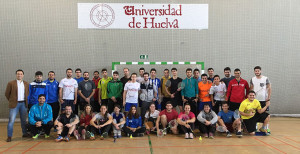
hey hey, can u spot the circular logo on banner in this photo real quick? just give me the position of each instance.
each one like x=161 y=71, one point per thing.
x=102 y=15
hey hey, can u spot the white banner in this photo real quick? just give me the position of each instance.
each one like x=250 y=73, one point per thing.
x=142 y=16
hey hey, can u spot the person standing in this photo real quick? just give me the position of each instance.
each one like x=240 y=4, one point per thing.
x=16 y=93
x=36 y=88
x=95 y=104
x=102 y=86
x=228 y=77
x=190 y=92
x=210 y=74
x=78 y=78
x=68 y=91
x=86 y=90
x=52 y=85
x=166 y=96
x=131 y=93
x=114 y=90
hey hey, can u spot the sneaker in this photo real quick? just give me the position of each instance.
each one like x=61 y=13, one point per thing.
x=47 y=136
x=92 y=136
x=228 y=134
x=36 y=136
x=211 y=135
x=263 y=130
x=101 y=137
x=239 y=134
x=191 y=136
x=66 y=138
x=88 y=134
x=59 y=138
x=76 y=135
x=83 y=132
x=119 y=134
x=206 y=135
x=186 y=136
x=140 y=134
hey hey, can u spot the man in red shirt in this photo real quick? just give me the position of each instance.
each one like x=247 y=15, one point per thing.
x=95 y=104
x=236 y=90
x=167 y=116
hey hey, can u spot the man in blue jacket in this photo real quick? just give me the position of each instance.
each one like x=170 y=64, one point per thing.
x=52 y=86
x=36 y=88
x=40 y=117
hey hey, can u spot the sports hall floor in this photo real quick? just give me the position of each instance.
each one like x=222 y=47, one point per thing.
x=285 y=138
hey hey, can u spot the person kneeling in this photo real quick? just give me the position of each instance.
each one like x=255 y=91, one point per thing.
x=118 y=121
x=186 y=120
x=66 y=124
x=103 y=120
x=225 y=120
x=168 y=119
x=208 y=120
x=251 y=112
x=85 y=126
x=134 y=124
x=40 y=121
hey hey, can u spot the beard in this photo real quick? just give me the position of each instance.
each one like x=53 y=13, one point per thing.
x=86 y=78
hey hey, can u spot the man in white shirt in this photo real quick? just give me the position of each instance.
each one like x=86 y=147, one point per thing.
x=131 y=93
x=262 y=87
x=68 y=91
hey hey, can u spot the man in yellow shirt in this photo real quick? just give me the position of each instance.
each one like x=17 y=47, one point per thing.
x=166 y=96
x=251 y=112
x=102 y=86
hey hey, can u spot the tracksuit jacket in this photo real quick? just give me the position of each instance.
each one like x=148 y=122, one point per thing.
x=40 y=113
x=52 y=91
x=236 y=90
x=35 y=89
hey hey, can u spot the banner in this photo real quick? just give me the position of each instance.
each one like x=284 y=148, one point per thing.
x=142 y=16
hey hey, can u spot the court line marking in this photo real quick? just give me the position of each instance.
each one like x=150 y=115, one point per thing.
x=36 y=144
x=285 y=143
x=150 y=144
x=268 y=145
x=292 y=140
x=10 y=147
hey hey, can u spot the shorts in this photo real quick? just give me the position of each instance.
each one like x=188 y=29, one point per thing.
x=229 y=127
x=68 y=103
x=251 y=123
x=263 y=104
x=201 y=105
x=128 y=106
x=234 y=106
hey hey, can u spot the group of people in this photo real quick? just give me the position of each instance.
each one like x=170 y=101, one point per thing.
x=84 y=108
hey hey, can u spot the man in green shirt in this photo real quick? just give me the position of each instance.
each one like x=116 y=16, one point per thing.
x=102 y=86
x=114 y=90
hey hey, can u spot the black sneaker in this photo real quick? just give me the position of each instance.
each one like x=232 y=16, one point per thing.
x=228 y=134
x=239 y=134
x=140 y=134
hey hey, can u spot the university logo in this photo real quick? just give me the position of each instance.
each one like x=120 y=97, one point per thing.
x=102 y=15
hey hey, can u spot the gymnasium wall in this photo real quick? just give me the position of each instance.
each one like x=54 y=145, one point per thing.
x=43 y=35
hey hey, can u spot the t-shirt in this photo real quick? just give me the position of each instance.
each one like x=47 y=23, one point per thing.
x=103 y=86
x=163 y=86
x=170 y=115
x=226 y=117
x=66 y=120
x=204 y=90
x=218 y=91
x=153 y=115
x=68 y=86
x=101 y=119
x=260 y=87
x=149 y=90
x=86 y=88
x=191 y=87
x=227 y=80
x=174 y=87
x=185 y=117
x=246 y=105
x=157 y=83
x=117 y=118
x=140 y=79
x=132 y=92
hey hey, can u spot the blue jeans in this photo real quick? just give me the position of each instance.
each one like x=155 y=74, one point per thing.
x=12 y=117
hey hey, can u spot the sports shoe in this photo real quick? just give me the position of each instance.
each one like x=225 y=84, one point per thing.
x=228 y=134
x=101 y=137
x=88 y=134
x=206 y=135
x=83 y=132
x=119 y=134
x=59 y=138
x=76 y=135
x=66 y=138
x=211 y=135
x=239 y=134
x=47 y=136
x=191 y=135
x=186 y=136
x=263 y=130
x=140 y=134
x=36 y=136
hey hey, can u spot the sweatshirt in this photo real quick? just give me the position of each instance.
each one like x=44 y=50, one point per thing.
x=236 y=90
x=211 y=116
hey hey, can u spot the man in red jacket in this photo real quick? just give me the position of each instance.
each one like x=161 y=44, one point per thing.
x=236 y=90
